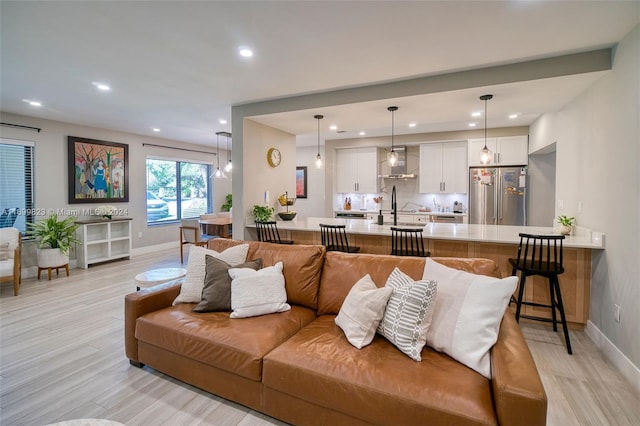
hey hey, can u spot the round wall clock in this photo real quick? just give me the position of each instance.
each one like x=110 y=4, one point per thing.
x=274 y=157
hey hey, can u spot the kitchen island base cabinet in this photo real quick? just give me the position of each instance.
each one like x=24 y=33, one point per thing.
x=103 y=240
x=575 y=282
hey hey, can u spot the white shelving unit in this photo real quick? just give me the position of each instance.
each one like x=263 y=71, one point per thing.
x=103 y=240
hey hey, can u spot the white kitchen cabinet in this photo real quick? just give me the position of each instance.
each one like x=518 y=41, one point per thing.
x=103 y=240
x=357 y=170
x=507 y=150
x=443 y=167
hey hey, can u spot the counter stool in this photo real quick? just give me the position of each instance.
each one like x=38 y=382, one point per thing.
x=334 y=238
x=541 y=255
x=268 y=232
x=407 y=242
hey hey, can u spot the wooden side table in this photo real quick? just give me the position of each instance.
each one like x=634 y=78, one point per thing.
x=158 y=276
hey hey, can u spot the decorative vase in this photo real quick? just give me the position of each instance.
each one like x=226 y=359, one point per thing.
x=49 y=257
x=566 y=229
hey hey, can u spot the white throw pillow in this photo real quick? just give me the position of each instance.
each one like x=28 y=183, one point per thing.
x=467 y=314
x=191 y=290
x=259 y=292
x=408 y=314
x=362 y=311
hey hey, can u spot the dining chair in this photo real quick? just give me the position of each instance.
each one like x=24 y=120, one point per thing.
x=334 y=238
x=191 y=233
x=11 y=257
x=407 y=242
x=268 y=232
x=541 y=255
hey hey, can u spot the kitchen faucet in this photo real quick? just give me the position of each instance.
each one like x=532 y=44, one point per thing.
x=394 y=206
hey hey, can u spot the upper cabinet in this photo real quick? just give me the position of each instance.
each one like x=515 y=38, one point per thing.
x=443 y=167
x=357 y=170
x=507 y=151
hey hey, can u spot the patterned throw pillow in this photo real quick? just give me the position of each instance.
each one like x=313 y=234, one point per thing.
x=362 y=311
x=408 y=315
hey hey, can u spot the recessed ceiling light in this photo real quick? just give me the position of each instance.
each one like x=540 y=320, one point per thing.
x=413 y=124
x=476 y=114
x=222 y=121
x=101 y=86
x=32 y=103
x=362 y=133
x=245 y=52
x=333 y=127
x=155 y=129
x=512 y=116
x=473 y=124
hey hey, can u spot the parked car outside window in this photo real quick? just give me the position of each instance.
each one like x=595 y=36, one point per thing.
x=157 y=208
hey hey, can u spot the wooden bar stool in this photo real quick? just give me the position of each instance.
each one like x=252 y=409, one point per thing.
x=541 y=255
x=407 y=242
x=334 y=238
x=268 y=232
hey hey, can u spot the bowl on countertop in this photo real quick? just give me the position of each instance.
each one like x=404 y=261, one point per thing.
x=287 y=215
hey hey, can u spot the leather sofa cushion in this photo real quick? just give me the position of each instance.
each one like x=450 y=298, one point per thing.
x=302 y=266
x=377 y=383
x=341 y=271
x=234 y=345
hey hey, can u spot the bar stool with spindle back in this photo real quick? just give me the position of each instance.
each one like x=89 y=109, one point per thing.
x=334 y=238
x=407 y=242
x=541 y=255
x=268 y=232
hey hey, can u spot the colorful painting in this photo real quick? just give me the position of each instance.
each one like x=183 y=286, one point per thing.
x=98 y=171
x=301 y=182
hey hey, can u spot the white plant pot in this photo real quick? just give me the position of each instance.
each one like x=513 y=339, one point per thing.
x=566 y=230
x=48 y=258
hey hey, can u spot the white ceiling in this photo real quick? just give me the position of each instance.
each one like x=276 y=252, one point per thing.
x=174 y=64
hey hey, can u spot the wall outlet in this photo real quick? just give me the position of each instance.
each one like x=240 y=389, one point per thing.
x=579 y=206
x=616 y=312
x=139 y=234
x=560 y=204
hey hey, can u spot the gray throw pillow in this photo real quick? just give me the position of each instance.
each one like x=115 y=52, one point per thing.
x=216 y=292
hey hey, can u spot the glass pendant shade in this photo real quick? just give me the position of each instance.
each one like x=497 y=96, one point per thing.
x=318 y=156
x=392 y=156
x=218 y=174
x=485 y=152
x=228 y=167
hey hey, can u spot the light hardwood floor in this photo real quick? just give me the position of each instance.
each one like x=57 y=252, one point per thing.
x=62 y=357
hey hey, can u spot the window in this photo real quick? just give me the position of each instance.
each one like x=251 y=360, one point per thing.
x=177 y=189
x=16 y=184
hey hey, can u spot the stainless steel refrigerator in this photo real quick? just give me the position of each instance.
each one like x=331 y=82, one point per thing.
x=497 y=195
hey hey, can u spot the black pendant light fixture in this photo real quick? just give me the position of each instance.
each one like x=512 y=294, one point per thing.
x=218 y=174
x=318 y=157
x=485 y=153
x=229 y=165
x=392 y=156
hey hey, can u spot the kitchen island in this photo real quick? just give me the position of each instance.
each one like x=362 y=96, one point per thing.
x=496 y=242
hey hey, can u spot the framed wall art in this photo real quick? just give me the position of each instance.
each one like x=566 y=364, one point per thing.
x=98 y=171
x=301 y=182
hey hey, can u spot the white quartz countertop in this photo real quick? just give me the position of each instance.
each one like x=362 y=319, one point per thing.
x=584 y=238
x=402 y=212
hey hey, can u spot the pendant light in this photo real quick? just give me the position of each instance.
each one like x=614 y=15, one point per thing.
x=229 y=165
x=392 y=156
x=318 y=157
x=485 y=153
x=218 y=174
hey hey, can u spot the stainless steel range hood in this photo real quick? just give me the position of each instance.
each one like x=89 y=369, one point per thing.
x=399 y=171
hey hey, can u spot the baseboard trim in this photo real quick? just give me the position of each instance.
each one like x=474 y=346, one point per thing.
x=158 y=247
x=613 y=354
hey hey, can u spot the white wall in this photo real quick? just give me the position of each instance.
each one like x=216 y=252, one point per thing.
x=598 y=157
x=51 y=172
x=541 y=191
x=313 y=205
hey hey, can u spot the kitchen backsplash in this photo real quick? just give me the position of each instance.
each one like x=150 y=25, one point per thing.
x=408 y=198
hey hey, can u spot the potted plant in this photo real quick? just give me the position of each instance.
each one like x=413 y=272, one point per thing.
x=566 y=224
x=228 y=203
x=55 y=239
x=262 y=213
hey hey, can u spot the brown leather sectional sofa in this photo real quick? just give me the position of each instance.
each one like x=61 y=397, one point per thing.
x=298 y=366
